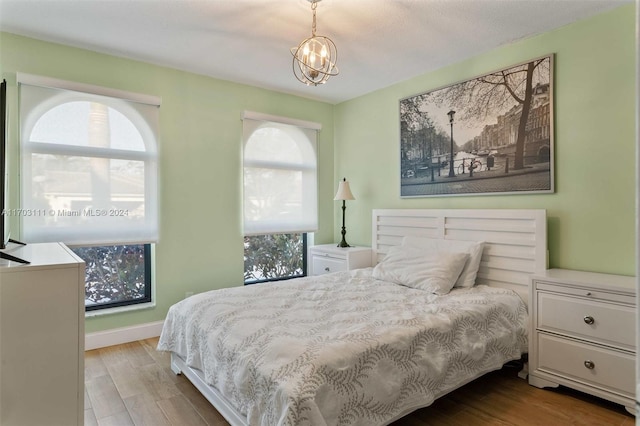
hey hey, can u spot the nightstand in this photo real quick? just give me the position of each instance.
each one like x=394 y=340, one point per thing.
x=583 y=333
x=327 y=258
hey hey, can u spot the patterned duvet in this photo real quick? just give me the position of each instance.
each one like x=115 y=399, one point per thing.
x=342 y=348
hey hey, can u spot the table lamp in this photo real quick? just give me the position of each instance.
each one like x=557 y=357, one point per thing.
x=344 y=193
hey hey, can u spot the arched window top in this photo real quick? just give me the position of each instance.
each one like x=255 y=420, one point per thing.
x=279 y=178
x=85 y=123
x=88 y=150
x=277 y=143
x=272 y=144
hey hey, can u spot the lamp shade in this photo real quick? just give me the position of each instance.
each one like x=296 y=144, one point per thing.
x=344 y=192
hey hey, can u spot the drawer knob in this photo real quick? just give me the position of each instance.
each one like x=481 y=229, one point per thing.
x=589 y=364
x=327 y=269
x=589 y=319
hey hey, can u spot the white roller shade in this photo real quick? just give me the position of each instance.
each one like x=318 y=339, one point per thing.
x=280 y=177
x=89 y=165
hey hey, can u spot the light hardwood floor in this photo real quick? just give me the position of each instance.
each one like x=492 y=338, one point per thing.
x=132 y=384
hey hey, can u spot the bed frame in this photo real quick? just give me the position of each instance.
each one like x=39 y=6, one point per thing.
x=515 y=247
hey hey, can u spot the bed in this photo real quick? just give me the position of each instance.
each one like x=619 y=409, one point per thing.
x=357 y=347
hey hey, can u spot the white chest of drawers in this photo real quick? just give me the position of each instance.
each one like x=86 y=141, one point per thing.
x=583 y=333
x=42 y=337
x=326 y=258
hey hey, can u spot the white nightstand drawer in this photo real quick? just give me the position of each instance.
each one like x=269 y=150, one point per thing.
x=587 y=319
x=588 y=364
x=328 y=258
x=325 y=265
x=596 y=294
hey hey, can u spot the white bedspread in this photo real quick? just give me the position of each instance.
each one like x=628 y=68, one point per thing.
x=342 y=348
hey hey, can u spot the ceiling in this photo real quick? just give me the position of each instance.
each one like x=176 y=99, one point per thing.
x=380 y=42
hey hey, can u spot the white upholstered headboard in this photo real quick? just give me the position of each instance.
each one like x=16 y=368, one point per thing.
x=515 y=240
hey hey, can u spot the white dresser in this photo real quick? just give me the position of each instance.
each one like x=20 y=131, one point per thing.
x=326 y=258
x=583 y=333
x=42 y=337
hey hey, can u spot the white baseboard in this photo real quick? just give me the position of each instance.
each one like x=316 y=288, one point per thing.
x=118 y=336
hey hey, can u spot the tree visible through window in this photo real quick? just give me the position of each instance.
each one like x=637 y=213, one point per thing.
x=274 y=257
x=116 y=275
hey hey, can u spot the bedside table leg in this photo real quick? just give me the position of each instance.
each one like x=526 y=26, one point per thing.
x=541 y=383
x=524 y=372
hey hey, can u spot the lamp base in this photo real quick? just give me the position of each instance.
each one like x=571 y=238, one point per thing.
x=343 y=243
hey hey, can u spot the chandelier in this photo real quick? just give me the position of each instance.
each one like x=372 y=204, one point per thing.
x=314 y=59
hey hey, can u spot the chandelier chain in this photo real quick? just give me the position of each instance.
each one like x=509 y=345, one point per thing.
x=314 y=5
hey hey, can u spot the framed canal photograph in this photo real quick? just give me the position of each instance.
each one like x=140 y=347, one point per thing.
x=489 y=135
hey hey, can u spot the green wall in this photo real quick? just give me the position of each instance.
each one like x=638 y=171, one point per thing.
x=200 y=244
x=591 y=215
x=591 y=222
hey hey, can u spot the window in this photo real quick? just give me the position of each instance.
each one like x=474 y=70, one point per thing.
x=89 y=179
x=280 y=195
x=116 y=275
x=274 y=257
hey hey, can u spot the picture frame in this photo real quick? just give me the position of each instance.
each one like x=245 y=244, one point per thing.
x=489 y=135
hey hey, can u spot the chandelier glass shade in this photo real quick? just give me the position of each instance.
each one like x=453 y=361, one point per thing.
x=314 y=59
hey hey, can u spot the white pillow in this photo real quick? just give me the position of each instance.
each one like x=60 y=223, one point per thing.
x=435 y=272
x=468 y=276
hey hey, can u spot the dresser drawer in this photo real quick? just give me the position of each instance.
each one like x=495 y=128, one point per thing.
x=591 y=293
x=587 y=319
x=612 y=370
x=325 y=265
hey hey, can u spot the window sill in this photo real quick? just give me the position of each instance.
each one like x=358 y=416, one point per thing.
x=119 y=310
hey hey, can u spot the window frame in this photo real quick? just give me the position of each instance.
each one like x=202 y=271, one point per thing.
x=134 y=107
x=305 y=135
